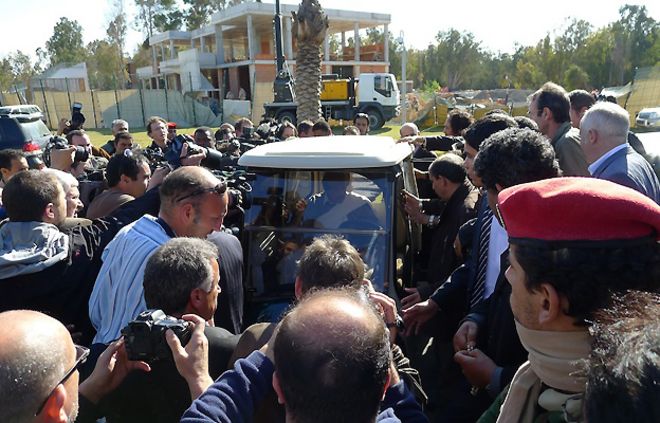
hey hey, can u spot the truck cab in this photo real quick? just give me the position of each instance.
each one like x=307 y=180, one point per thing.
x=304 y=188
x=378 y=96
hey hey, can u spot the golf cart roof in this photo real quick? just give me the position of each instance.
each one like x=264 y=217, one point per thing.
x=333 y=152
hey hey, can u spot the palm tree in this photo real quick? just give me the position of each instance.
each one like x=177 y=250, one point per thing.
x=309 y=27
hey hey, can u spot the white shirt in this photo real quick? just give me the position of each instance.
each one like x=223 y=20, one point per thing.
x=497 y=244
x=595 y=165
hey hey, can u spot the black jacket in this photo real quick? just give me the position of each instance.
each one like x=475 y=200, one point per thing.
x=162 y=395
x=229 y=314
x=442 y=261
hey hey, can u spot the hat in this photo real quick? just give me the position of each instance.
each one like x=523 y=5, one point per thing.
x=577 y=212
x=171 y=125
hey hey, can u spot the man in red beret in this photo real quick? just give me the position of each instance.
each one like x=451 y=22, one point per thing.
x=573 y=243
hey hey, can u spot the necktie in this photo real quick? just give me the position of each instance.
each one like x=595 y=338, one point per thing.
x=482 y=259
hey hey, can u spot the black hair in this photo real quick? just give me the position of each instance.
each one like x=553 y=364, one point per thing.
x=580 y=99
x=459 y=120
x=9 y=155
x=122 y=164
x=27 y=194
x=305 y=126
x=525 y=122
x=330 y=261
x=553 y=97
x=624 y=366
x=483 y=128
x=450 y=166
x=587 y=277
x=322 y=126
x=515 y=156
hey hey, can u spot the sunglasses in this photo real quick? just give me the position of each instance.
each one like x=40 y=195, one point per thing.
x=219 y=189
x=81 y=356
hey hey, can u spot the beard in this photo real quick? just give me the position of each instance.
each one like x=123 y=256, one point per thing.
x=73 y=415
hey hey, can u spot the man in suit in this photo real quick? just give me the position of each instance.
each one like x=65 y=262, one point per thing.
x=603 y=136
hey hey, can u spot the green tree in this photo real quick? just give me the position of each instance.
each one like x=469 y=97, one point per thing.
x=104 y=66
x=575 y=78
x=6 y=75
x=66 y=43
x=459 y=54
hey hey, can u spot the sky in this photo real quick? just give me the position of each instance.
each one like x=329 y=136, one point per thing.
x=499 y=25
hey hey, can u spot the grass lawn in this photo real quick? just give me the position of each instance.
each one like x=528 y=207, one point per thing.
x=101 y=136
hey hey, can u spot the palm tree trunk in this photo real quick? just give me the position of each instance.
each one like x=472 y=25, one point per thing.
x=309 y=28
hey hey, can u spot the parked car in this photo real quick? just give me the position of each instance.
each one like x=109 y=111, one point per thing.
x=29 y=134
x=287 y=177
x=649 y=117
x=24 y=110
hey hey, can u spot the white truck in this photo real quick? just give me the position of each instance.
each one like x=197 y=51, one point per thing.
x=375 y=94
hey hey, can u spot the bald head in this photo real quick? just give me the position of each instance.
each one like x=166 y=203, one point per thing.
x=332 y=357
x=184 y=181
x=35 y=352
x=408 y=129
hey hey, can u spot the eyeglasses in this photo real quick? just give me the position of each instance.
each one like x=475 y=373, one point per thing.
x=81 y=356
x=219 y=189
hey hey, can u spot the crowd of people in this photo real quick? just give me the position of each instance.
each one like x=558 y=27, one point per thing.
x=536 y=294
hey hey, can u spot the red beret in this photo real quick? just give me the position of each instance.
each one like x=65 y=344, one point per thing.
x=171 y=125
x=577 y=209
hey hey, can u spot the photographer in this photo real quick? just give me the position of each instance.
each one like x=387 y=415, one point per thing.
x=180 y=278
x=244 y=128
x=203 y=137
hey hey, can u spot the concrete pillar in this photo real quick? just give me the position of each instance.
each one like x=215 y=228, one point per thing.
x=251 y=40
x=386 y=43
x=172 y=52
x=162 y=52
x=154 y=58
x=356 y=41
x=219 y=45
x=192 y=43
x=202 y=45
x=326 y=53
x=288 y=38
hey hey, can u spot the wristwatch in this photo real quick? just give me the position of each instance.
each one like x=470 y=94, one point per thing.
x=398 y=324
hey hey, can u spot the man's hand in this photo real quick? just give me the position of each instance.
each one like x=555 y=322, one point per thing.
x=466 y=336
x=62 y=159
x=62 y=125
x=420 y=313
x=192 y=362
x=111 y=368
x=158 y=177
x=413 y=208
x=477 y=367
x=193 y=159
x=387 y=307
x=411 y=299
x=412 y=140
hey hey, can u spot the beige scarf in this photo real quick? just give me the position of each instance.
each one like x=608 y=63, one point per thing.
x=556 y=360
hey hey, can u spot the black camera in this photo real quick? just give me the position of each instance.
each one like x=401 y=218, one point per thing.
x=59 y=143
x=214 y=159
x=145 y=336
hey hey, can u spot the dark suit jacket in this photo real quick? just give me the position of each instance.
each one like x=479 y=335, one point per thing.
x=229 y=314
x=459 y=209
x=162 y=395
x=498 y=337
x=628 y=168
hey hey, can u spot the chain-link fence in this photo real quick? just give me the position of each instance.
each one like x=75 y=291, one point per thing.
x=101 y=107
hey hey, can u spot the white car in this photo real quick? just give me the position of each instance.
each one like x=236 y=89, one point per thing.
x=649 y=117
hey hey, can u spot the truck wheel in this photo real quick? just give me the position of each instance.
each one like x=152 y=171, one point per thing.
x=287 y=117
x=376 y=120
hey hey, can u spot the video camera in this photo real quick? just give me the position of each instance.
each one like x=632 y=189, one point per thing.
x=59 y=143
x=145 y=336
